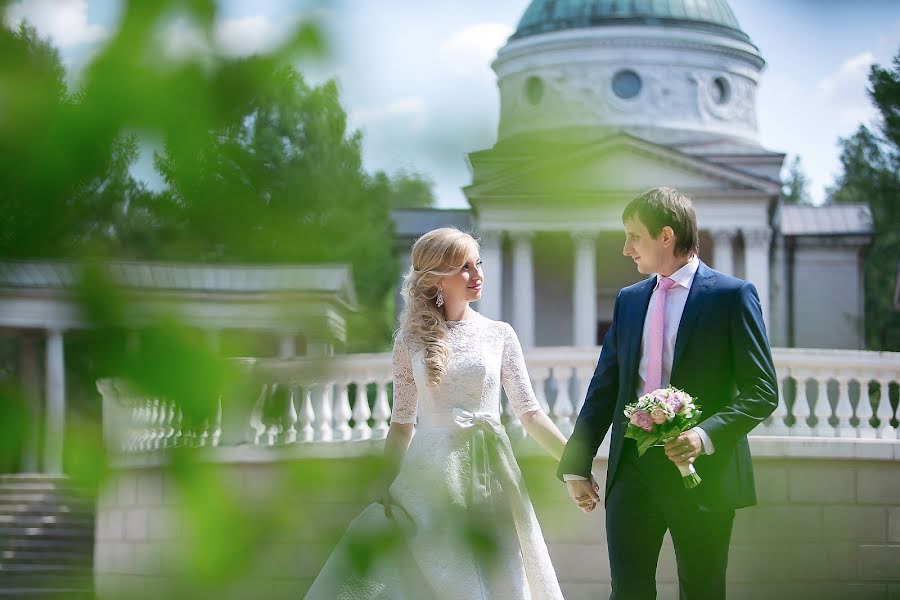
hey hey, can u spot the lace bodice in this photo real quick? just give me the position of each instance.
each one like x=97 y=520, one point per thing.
x=484 y=354
x=459 y=459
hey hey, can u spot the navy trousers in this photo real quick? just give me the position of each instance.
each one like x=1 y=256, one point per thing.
x=646 y=499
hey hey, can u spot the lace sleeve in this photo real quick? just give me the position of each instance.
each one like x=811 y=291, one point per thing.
x=405 y=399
x=514 y=375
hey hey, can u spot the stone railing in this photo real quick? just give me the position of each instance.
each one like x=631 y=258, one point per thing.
x=823 y=394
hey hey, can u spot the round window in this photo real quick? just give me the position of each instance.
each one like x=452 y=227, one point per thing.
x=626 y=84
x=721 y=91
x=534 y=90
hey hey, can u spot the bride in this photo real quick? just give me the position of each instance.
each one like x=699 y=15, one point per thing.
x=455 y=520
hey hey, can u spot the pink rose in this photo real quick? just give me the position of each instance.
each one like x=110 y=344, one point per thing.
x=641 y=418
x=675 y=402
x=658 y=416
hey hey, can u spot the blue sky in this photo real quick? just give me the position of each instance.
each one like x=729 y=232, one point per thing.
x=415 y=75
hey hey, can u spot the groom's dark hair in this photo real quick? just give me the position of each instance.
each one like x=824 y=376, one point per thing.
x=663 y=206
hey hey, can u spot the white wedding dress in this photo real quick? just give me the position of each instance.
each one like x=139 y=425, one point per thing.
x=458 y=477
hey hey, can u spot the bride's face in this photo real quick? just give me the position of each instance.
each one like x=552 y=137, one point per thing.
x=465 y=286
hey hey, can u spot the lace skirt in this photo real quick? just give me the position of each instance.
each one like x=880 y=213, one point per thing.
x=462 y=527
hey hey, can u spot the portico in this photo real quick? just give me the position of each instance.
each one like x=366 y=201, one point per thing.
x=552 y=232
x=282 y=312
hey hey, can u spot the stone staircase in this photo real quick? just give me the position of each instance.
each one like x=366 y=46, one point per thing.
x=46 y=538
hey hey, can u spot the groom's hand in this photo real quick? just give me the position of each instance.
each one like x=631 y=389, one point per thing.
x=584 y=493
x=684 y=449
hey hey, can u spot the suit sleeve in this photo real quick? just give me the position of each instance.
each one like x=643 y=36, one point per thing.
x=754 y=373
x=596 y=415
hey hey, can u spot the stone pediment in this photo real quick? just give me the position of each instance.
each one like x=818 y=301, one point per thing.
x=617 y=164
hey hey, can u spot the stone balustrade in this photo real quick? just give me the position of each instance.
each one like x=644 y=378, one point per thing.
x=822 y=394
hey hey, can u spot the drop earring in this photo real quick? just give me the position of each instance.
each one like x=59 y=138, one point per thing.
x=440 y=298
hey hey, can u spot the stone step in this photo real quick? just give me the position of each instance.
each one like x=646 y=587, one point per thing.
x=13 y=477
x=8 y=532
x=80 y=544
x=44 y=593
x=81 y=580
x=44 y=569
x=41 y=485
x=45 y=498
x=67 y=521
x=84 y=583
x=11 y=557
x=40 y=509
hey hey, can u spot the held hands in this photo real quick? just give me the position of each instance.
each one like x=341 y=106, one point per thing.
x=684 y=449
x=584 y=493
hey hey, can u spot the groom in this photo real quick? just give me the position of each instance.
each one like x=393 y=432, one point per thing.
x=698 y=330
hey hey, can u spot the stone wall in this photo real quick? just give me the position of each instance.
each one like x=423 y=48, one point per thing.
x=820 y=266
x=825 y=527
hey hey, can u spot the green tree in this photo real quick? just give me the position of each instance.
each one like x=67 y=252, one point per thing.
x=796 y=186
x=270 y=175
x=870 y=173
x=411 y=190
x=283 y=182
x=54 y=202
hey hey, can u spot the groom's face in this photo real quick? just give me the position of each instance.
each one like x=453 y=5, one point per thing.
x=648 y=254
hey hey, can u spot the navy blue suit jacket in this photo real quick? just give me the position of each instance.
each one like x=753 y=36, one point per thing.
x=721 y=357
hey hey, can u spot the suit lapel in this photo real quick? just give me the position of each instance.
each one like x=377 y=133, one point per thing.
x=636 y=319
x=696 y=300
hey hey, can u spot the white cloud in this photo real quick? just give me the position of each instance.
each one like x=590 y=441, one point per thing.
x=181 y=39
x=242 y=36
x=470 y=51
x=63 y=21
x=845 y=91
x=412 y=109
x=238 y=36
x=853 y=73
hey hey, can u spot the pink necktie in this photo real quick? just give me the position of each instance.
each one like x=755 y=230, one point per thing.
x=657 y=334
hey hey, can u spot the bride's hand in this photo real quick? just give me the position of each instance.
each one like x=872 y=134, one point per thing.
x=384 y=499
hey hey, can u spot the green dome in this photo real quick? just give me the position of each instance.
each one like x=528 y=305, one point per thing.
x=543 y=16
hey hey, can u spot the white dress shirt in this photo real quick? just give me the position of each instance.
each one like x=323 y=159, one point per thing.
x=676 y=298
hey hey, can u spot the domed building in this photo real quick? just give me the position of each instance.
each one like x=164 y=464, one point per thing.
x=601 y=100
x=676 y=73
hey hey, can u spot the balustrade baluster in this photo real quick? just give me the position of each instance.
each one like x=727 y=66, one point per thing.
x=844 y=408
x=885 y=411
x=381 y=411
x=361 y=412
x=800 y=410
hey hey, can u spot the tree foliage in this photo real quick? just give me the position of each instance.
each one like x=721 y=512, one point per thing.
x=796 y=186
x=870 y=174
x=259 y=166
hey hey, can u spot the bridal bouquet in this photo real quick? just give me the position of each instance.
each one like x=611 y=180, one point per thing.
x=659 y=416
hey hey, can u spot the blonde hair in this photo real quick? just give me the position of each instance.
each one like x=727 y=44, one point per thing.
x=439 y=253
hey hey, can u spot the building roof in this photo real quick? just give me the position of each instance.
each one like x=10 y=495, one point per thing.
x=834 y=219
x=328 y=279
x=413 y=222
x=543 y=16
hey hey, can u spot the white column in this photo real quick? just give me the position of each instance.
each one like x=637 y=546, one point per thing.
x=32 y=387
x=286 y=346
x=491 y=303
x=723 y=250
x=584 y=304
x=523 y=288
x=756 y=257
x=55 y=390
x=320 y=349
